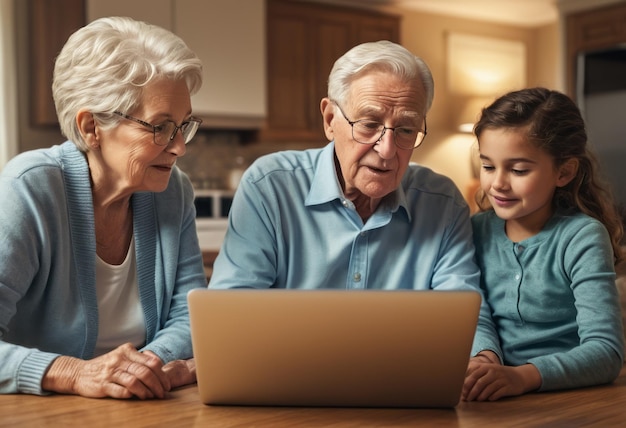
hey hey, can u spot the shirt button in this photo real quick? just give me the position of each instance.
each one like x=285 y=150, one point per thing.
x=517 y=277
x=345 y=203
x=356 y=277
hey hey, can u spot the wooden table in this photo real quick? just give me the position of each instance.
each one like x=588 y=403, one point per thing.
x=603 y=406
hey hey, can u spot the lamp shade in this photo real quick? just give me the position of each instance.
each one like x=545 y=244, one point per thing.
x=484 y=66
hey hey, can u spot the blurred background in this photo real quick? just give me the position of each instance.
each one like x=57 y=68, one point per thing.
x=266 y=64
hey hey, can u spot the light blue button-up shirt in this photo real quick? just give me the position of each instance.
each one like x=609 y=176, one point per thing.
x=291 y=226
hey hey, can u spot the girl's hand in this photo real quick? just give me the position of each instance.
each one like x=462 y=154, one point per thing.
x=490 y=382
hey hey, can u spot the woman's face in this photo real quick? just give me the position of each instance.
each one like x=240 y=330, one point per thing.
x=127 y=159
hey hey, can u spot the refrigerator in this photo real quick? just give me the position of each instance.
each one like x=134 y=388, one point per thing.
x=601 y=96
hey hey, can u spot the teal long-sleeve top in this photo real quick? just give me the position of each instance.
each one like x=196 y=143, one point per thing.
x=553 y=298
x=48 y=302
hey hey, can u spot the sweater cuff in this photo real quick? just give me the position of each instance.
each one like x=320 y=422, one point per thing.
x=32 y=371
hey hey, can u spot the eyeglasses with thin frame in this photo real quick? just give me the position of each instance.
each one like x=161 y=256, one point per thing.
x=166 y=131
x=370 y=132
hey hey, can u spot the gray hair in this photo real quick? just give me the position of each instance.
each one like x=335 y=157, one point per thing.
x=381 y=55
x=105 y=65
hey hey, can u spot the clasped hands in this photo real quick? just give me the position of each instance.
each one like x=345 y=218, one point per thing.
x=122 y=373
x=487 y=379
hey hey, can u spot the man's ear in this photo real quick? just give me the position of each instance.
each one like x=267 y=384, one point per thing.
x=567 y=172
x=87 y=128
x=328 y=112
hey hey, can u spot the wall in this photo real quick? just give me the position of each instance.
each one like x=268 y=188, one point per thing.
x=444 y=149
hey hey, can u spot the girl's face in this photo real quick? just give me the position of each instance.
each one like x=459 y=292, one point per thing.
x=519 y=180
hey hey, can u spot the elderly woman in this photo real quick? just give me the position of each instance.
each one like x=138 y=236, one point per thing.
x=97 y=235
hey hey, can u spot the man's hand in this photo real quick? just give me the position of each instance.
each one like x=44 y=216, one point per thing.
x=181 y=372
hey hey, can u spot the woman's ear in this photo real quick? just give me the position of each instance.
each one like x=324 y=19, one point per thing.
x=567 y=172
x=328 y=112
x=87 y=128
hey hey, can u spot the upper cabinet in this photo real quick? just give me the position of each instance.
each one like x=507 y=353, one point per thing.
x=303 y=42
x=229 y=38
x=50 y=22
x=157 y=12
x=591 y=30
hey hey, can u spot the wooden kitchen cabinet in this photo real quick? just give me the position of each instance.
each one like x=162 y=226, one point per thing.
x=229 y=38
x=592 y=30
x=157 y=12
x=51 y=23
x=303 y=42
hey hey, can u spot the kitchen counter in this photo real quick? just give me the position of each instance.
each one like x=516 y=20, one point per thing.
x=211 y=232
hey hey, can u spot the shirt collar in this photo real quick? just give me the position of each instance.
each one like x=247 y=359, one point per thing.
x=325 y=186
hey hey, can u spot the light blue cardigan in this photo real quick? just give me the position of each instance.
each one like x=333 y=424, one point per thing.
x=47 y=265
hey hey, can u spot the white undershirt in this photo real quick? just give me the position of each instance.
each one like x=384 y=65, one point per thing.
x=120 y=316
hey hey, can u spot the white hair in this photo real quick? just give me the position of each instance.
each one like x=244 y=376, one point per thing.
x=381 y=55
x=105 y=65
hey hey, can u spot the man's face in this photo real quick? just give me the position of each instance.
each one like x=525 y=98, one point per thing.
x=368 y=172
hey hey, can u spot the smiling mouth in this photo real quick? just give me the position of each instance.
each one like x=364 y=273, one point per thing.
x=503 y=200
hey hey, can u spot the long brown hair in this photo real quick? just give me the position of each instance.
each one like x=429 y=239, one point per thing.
x=554 y=124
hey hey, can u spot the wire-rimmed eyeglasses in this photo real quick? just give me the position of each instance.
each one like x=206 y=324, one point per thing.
x=165 y=132
x=370 y=132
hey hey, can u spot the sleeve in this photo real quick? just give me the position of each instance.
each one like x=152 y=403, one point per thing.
x=599 y=357
x=248 y=256
x=184 y=268
x=22 y=258
x=457 y=269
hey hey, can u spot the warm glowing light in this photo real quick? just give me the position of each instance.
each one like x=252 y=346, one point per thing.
x=483 y=66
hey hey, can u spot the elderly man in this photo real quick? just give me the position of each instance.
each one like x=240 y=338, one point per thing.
x=356 y=214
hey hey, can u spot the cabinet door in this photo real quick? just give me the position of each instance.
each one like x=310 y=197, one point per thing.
x=332 y=36
x=597 y=29
x=288 y=72
x=51 y=22
x=304 y=41
x=229 y=37
x=591 y=30
x=157 y=12
x=302 y=47
x=371 y=29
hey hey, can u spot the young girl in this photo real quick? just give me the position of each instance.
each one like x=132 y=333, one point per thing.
x=547 y=248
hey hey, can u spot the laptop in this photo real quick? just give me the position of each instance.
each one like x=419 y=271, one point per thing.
x=332 y=348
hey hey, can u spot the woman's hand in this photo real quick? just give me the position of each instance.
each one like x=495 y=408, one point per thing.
x=121 y=373
x=489 y=381
x=181 y=372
